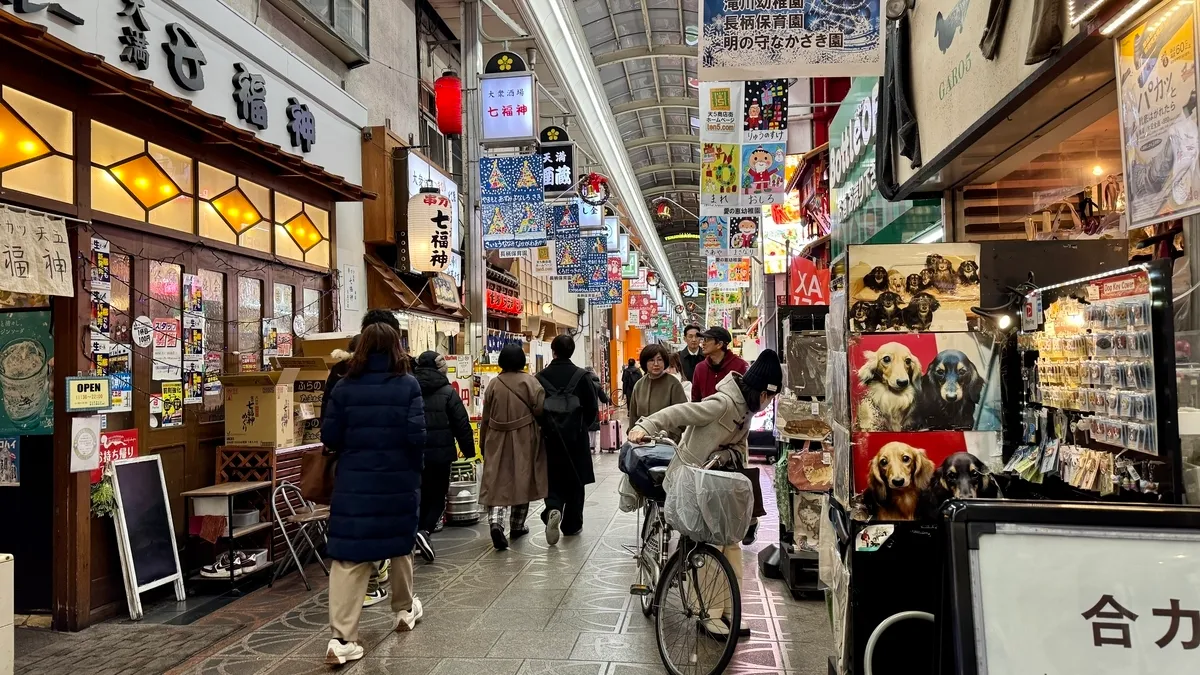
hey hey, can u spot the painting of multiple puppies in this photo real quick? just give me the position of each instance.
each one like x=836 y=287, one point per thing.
x=908 y=476
x=906 y=287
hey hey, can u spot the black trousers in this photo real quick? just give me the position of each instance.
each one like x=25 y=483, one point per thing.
x=566 y=497
x=435 y=483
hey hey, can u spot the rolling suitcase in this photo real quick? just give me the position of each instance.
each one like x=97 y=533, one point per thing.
x=608 y=436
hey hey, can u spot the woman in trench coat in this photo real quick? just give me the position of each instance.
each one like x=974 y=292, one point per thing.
x=514 y=460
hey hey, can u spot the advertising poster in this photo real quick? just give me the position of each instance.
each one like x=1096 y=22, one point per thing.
x=101 y=310
x=85 y=443
x=751 y=39
x=193 y=387
x=172 y=404
x=167 y=354
x=26 y=368
x=913 y=287
x=629 y=270
x=511 y=202
x=101 y=272
x=728 y=273
x=10 y=461
x=120 y=378
x=115 y=445
x=1156 y=69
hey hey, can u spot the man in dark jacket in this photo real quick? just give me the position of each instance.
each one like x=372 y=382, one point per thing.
x=446 y=421
x=718 y=362
x=568 y=459
x=603 y=397
x=691 y=356
x=630 y=377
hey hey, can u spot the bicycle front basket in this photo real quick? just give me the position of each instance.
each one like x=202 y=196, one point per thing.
x=714 y=507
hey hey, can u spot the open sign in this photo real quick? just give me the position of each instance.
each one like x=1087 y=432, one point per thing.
x=86 y=394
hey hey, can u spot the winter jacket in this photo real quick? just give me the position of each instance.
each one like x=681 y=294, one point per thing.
x=689 y=362
x=601 y=396
x=336 y=372
x=629 y=378
x=719 y=420
x=570 y=457
x=706 y=377
x=376 y=425
x=514 y=458
x=446 y=418
x=652 y=394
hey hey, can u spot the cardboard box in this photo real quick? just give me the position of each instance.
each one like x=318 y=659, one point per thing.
x=323 y=344
x=308 y=388
x=259 y=408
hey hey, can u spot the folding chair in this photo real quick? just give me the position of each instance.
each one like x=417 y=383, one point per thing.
x=290 y=508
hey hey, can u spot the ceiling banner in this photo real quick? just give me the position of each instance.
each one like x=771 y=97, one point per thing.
x=747 y=39
x=511 y=201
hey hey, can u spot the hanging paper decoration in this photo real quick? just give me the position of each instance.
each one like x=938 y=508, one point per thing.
x=429 y=216
x=448 y=99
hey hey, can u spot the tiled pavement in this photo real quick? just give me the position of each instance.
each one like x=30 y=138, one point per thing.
x=534 y=609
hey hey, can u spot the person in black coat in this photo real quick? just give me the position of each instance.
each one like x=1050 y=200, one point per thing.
x=568 y=458
x=446 y=421
x=375 y=424
x=630 y=377
x=602 y=397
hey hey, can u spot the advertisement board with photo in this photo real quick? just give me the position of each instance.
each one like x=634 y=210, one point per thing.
x=26 y=369
x=913 y=287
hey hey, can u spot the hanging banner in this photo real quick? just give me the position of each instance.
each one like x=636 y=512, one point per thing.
x=728 y=273
x=543 y=260
x=642 y=282
x=729 y=231
x=569 y=255
x=1159 y=117
x=743 y=137
x=807 y=285
x=748 y=39
x=629 y=270
x=614 y=267
x=725 y=297
x=37 y=257
x=511 y=202
x=720 y=165
x=563 y=219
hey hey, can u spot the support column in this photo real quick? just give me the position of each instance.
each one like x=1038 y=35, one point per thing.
x=474 y=257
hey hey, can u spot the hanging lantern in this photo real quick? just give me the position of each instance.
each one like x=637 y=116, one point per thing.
x=447 y=93
x=662 y=212
x=429 y=225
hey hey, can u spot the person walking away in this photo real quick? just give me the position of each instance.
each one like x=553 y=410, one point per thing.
x=375 y=423
x=657 y=390
x=629 y=378
x=691 y=355
x=446 y=422
x=514 y=459
x=675 y=370
x=720 y=421
x=603 y=397
x=571 y=408
x=718 y=362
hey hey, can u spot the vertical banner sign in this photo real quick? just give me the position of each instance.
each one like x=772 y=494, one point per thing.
x=730 y=231
x=597 y=264
x=1156 y=71
x=612 y=231
x=728 y=273
x=511 y=202
x=564 y=219
x=558 y=160
x=629 y=270
x=591 y=217
x=614 y=267
x=747 y=39
x=743 y=141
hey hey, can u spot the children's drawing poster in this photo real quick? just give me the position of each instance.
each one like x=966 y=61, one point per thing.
x=719 y=167
x=511 y=201
x=714 y=233
x=762 y=173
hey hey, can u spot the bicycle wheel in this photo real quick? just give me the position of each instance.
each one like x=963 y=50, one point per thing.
x=649 y=560
x=695 y=590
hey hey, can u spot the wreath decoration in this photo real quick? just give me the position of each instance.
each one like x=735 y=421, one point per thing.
x=595 y=190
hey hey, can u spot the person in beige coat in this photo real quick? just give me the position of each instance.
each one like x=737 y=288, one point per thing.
x=514 y=459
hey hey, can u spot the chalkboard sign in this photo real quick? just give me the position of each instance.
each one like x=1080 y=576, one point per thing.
x=145 y=531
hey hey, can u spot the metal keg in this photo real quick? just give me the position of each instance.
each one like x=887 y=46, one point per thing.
x=462 y=499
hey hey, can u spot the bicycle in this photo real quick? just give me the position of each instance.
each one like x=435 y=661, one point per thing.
x=618 y=398
x=652 y=554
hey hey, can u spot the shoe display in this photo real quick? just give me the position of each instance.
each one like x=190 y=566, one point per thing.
x=553 y=523
x=384 y=568
x=425 y=547
x=338 y=653
x=498 y=539
x=375 y=596
x=406 y=621
x=239 y=564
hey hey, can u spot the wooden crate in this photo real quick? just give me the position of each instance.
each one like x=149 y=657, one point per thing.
x=241 y=463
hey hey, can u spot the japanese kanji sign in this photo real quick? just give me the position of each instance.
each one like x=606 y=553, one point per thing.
x=511 y=202
x=748 y=39
x=507 y=108
x=558 y=167
x=34 y=255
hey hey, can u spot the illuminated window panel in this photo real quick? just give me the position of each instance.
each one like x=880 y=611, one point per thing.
x=301 y=231
x=36 y=146
x=141 y=181
x=234 y=210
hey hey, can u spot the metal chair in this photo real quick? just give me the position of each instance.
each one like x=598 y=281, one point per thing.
x=290 y=508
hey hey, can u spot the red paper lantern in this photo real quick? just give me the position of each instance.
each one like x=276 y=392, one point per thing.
x=447 y=91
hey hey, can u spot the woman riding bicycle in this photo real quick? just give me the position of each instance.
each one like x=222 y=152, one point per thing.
x=714 y=424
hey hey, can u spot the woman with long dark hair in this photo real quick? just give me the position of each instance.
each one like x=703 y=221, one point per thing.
x=375 y=424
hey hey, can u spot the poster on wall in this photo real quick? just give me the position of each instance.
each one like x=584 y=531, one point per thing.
x=925 y=381
x=913 y=287
x=120 y=378
x=26 y=369
x=10 y=461
x=167 y=353
x=172 y=404
x=1156 y=68
x=115 y=445
x=85 y=443
x=39 y=252
x=511 y=202
x=100 y=272
x=744 y=40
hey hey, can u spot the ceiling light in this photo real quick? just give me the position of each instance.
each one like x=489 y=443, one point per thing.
x=1124 y=16
x=1097 y=170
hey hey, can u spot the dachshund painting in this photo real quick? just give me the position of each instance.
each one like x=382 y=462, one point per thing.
x=890 y=374
x=888 y=310
x=932 y=260
x=948 y=393
x=961 y=476
x=862 y=317
x=895 y=282
x=943 y=276
x=914 y=285
x=897 y=477
x=926 y=277
x=877 y=279
x=918 y=315
x=968 y=273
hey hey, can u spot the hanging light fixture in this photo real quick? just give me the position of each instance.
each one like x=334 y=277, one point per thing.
x=662 y=212
x=429 y=223
x=447 y=93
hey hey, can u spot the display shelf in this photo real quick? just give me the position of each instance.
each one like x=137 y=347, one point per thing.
x=250 y=529
x=266 y=565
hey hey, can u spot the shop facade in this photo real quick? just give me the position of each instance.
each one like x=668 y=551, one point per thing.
x=209 y=183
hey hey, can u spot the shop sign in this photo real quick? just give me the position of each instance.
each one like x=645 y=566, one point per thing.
x=558 y=167
x=35 y=257
x=511 y=202
x=1159 y=126
x=629 y=270
x=641 y=282
x=807 y=285
x=749 y=39
x=508 y=108
x=115 y=445
x=445 y=292
x=420 y=173
x=86 y=394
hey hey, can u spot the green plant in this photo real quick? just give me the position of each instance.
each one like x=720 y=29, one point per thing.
x=104 y=502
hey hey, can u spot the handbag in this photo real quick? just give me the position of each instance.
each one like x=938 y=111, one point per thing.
x=751 y=472
x=317 y=470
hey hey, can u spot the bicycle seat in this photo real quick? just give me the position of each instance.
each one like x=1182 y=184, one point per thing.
x=657 y=474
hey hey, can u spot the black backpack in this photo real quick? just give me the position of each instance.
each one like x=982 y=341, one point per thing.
x=562 y=410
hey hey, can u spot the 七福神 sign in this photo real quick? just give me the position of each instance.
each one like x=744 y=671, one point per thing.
x=743 y=142
x=748 y=39
x=421 y=172
x=1159 y=122
x=87 y=394
x=511 y=202
x=508 y=108
x=35 y=257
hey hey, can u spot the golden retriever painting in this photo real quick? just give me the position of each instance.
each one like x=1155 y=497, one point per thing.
x=890 y=375
x=898 y=476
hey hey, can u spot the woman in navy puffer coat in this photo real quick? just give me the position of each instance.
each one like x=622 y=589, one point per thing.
x=375 y=423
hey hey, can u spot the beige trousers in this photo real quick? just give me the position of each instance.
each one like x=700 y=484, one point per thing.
x=348 y=587
x=720 y=604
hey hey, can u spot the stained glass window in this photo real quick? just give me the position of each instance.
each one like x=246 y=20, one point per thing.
x=234 y=210
x=301 y=231
x=141 y=180
x=37 y=145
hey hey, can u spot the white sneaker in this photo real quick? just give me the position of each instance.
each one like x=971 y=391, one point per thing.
x=552 y=527
x=743 y=627
x=337 y=653
x=406 y=621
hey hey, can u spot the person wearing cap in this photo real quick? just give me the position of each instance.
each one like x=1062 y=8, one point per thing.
x=446 y=422
x=718 y=362
x=718 y=423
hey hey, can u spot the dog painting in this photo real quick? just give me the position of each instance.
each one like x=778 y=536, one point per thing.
x=942 y=280
x=898 y=476
x=924 y=381
x=863 y=317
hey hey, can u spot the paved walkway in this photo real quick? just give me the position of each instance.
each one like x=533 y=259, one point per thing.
x=534 y=609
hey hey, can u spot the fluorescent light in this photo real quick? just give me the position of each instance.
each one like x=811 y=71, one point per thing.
x=1121 y=18
x=931 y=236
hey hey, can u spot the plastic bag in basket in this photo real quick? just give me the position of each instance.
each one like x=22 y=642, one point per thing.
x=714 y=507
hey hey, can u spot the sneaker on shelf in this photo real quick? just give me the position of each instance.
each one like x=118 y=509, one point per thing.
x=384 y=568
x=406 y=621
x=375 y=596
x=498 y=539
x=425 y=547
x=239 y=563
x=243 y=562
x=553 y=522
x=338 y=653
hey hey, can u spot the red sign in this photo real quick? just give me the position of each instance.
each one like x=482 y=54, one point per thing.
x=115 y=445
x=807 y=285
